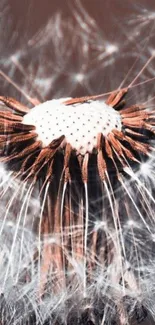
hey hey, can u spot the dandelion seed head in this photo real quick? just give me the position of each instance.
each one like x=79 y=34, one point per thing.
x=79 y=123
x=53 y=268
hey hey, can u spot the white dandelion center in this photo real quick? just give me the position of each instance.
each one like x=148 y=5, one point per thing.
x=80 y=123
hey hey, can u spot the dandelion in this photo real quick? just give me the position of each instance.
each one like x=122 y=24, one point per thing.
x=77 y=177
x=75 y=147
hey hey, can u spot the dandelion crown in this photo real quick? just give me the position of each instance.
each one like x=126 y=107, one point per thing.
x=76 y=149
x=85 y=126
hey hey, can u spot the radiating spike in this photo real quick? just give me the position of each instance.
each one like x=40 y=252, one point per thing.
x=99 y=141
x=6 y=129
x=119 y=134
x=108 y=149
x=118 y=97
x=56 y=142
x=44 y=154
x=134 y=133
x=141 y=147
x=101 y=164
x=10 y=116
x=110 y=155
x=19 y=138
x=134 y=122
x=141 y=114
x=111 y=98
x=138 y=123
x=49 y=176
x=15 y=105
x=129 y=154
x=117 y=147
x=85 y=168
x=25 y=162
x=149 y=127
x=81 y=100
x=25 y=152
x=23 y=127
x=115 y=143
x=5 y=122
x=68 y=151
x=11 y=136
x=132 y=109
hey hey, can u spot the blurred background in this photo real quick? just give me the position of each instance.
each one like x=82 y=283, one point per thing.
x=65 y=48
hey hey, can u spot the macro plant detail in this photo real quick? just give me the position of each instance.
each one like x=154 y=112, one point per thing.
x=88 y=259
x=77 y=179
x=116 y=132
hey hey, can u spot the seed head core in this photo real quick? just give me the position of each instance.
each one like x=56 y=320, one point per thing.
x=80 y=123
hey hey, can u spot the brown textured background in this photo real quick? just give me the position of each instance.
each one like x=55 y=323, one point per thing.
x=117 y=22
